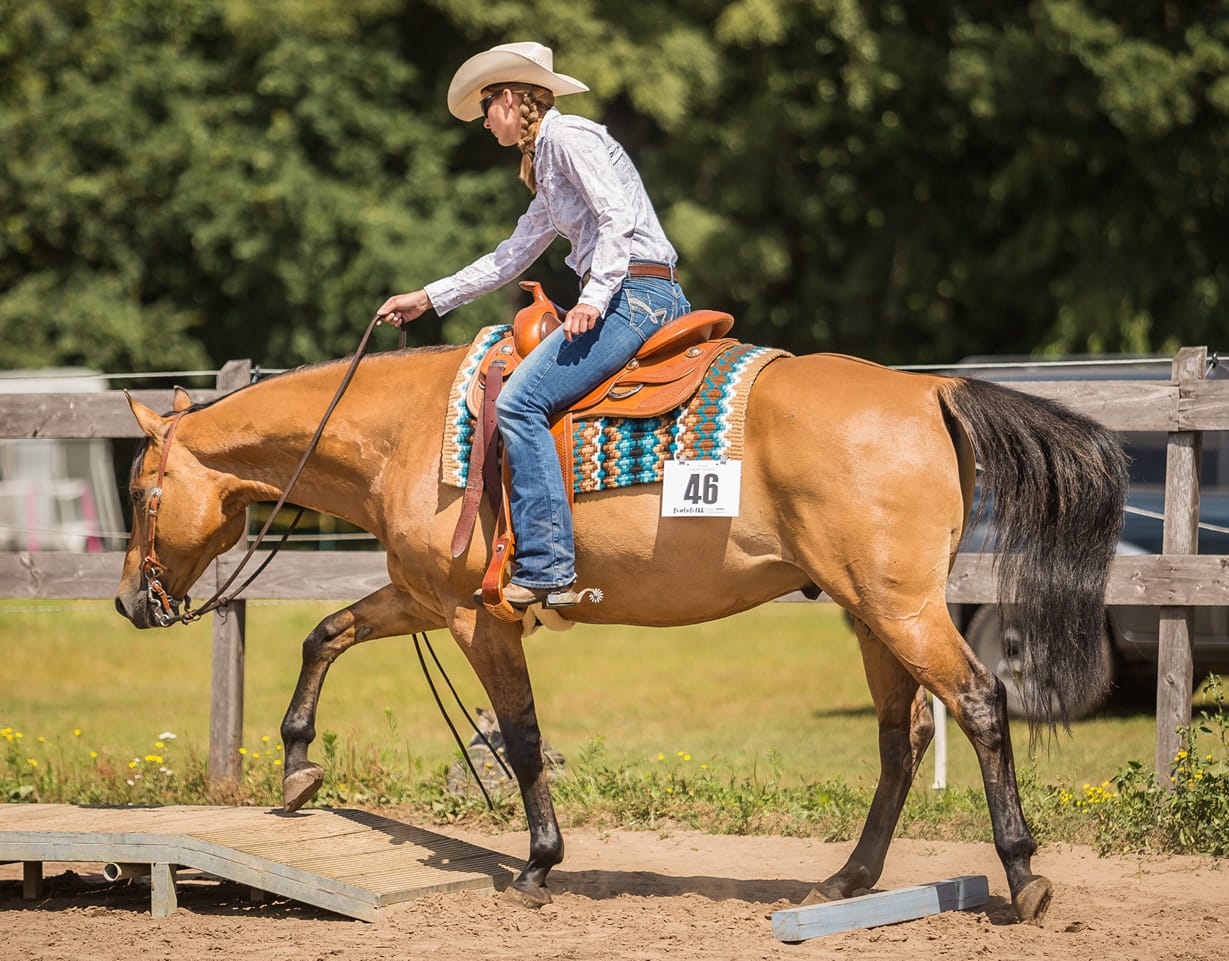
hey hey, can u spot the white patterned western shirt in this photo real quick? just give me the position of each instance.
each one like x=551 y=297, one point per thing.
x=588 y=192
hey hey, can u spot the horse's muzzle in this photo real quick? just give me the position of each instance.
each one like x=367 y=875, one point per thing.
x=139 y=612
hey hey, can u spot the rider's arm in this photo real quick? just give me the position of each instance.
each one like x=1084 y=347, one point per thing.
x=533 y=234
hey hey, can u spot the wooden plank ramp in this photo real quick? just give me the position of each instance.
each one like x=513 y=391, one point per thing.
x=347 y=861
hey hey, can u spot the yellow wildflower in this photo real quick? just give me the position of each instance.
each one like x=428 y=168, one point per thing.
x=32 y=762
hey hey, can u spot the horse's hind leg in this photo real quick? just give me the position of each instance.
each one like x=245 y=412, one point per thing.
x=977 y=701
x=387 y=612
x=905 y=729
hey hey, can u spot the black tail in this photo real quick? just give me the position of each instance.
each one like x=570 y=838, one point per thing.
x=1057 y=482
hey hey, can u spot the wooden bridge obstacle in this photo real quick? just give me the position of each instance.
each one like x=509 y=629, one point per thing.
x=346 y=861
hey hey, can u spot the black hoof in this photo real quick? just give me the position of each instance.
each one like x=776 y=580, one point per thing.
x=526 y=894
x=1033 y=900
x=822 y=894
x=300 y=785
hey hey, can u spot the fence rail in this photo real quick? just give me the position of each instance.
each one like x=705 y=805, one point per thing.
x=1176 y=581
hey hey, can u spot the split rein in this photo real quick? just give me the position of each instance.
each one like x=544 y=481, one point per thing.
x=169 y=610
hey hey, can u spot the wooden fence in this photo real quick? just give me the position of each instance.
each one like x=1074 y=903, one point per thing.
x=1176 y=581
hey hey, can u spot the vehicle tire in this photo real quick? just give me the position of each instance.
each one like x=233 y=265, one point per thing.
x=999 y=649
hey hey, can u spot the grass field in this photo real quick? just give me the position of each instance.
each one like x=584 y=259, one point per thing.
x=779 y=687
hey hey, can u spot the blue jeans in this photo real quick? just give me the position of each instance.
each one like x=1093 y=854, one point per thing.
x=557 y=373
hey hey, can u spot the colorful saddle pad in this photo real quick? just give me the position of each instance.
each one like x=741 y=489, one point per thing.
x=609 y=452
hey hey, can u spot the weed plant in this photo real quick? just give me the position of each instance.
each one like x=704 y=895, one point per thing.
x=1188 y=813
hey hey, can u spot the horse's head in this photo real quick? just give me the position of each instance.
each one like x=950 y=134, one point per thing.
x=183 y=516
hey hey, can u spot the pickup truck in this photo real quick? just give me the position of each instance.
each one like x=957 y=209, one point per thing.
x=1130 y=640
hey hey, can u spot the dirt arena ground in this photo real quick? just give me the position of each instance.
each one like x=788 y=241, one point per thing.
x=643 y=896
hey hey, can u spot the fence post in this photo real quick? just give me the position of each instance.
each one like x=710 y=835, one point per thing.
x=226 y=703
x=1175 y=670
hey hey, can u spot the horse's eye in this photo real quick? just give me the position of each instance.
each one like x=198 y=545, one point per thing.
x=137 y=495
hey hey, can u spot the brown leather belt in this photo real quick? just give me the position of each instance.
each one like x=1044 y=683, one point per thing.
x=660 y=271
x=644 y=268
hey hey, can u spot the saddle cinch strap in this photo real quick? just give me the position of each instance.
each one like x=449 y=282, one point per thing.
x=665 y=373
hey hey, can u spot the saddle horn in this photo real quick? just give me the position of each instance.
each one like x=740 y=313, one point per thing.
x=534 y=322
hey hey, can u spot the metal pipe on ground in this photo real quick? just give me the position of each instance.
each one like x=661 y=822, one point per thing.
x=114 y=871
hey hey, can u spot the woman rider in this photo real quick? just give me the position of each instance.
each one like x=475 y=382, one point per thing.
x=585 y=188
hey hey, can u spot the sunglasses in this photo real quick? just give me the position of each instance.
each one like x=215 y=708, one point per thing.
x=486 y=102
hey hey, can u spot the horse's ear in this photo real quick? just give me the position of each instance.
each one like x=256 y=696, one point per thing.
x=150 y=422
x=182 y=401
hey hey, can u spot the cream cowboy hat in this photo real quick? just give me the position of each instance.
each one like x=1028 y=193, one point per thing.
x=525 y=62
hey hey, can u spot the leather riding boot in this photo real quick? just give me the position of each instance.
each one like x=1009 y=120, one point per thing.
x=550 y=597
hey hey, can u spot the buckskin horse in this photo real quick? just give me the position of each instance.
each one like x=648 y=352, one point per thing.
x=856 y=479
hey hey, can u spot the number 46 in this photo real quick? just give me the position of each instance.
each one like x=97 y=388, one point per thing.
x=701 y=489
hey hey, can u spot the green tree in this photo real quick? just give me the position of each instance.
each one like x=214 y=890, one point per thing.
x=190 y=181
x=185 y=181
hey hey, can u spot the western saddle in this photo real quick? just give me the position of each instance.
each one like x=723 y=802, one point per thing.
x=665 y=373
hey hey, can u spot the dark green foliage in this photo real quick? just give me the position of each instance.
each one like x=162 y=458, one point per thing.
x=187 y=181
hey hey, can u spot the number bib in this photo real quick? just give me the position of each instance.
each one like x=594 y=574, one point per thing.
x=700 y=488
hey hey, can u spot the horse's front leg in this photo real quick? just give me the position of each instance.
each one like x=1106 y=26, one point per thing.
x=388 y=612
x=495 y=651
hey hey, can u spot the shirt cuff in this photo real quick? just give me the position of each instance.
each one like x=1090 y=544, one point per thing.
x=595 y=295
x=443 y=295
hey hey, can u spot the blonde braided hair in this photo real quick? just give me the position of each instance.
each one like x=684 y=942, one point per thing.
x=535 y=102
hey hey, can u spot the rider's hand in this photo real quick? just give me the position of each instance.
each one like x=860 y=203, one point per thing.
x=580 y=318
x=400 y=309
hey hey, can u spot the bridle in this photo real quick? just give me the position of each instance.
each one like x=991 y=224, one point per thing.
x=166 y=608
x=169 y=609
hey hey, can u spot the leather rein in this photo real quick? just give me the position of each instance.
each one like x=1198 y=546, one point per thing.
x=168 y=609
